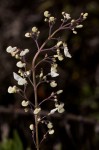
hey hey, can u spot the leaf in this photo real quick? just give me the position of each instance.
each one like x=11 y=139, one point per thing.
x=17 y=145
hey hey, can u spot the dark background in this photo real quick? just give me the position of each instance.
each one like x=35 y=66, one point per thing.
x=79 y=76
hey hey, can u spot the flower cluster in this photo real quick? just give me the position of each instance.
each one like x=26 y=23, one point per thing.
x=21 y=64
x=49 y=18
x=24 y=77
x=34 y=33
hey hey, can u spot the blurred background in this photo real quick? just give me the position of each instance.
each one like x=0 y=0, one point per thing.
x=78 y=127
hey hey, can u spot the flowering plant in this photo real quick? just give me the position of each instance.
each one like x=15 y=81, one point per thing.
x=25 y=77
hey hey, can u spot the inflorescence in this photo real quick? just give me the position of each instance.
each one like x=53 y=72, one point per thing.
x=25 y=77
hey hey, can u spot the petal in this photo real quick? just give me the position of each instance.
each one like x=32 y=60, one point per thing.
x=66 y=53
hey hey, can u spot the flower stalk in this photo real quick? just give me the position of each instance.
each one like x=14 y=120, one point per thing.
x=24 y=76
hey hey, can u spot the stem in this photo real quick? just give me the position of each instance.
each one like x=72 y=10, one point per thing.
x=36 y=102
x=36 y=105
x=34 y=75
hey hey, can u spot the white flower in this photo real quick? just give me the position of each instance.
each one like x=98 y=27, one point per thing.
x=54 y=67
x=84 y=15
x=59 y=56
x=59 y=43
x=24 y=52
x=66 y=53
x=27 y=73
x=26 y=110
x=54 y=70
x=21 y=81
x=51 y=131
x=21 y=72
x=12 y=89
x=25 y=103
x=41 y=74
x=66 y=15
x=31 y=127
x=36 y=111
x=27 y=34
x=11 y=49
x=75 y=32
x=34 y=29
x=20 y=64
x=60 y=108
x=17 y=56
x=79 y=26
x=51 y=19
x=53 y=111
x=50 y=125
x=53 y=84
x=54 y=74
x=59 y=92
x=46 y=14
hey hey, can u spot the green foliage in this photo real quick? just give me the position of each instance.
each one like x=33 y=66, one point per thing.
x=12 y=144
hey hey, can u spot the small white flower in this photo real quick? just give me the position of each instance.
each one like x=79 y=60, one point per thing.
x=51 y=19
x=50 y=125
x=72 y=21
x=12 y=89
x=79 y=26
x=68 y=16
x=60 y=108
x=54 y=70
x=53 y=111
x=24 y=52
x=59 y=92
x=54 y=67
x=59 y=43
x=51 y=131
x=60 y=105
x=41 y=74
x=26 y=110
x=27 y=34
x=53 y=84
x=75 y=32
x=31 y=127
x=54 y=74
x=25 y=103
x=36 y=111
x=11 y=49
x=66 y=53
x=27 y=73
x=21 y=72
x=20 y=64
x=59 y=56
x=84 y=15
x=34 y=29
x=46 y=14
x=17 y=56
x=21 y=81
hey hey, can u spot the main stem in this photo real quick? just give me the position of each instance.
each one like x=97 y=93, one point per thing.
x=36 y=105
x=34 y=83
